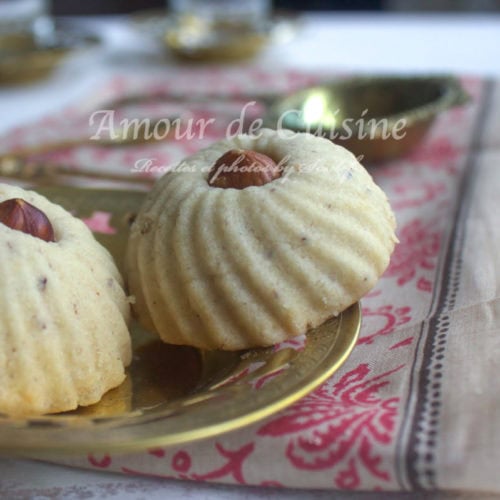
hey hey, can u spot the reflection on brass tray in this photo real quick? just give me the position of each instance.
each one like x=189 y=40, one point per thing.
x=176 y=394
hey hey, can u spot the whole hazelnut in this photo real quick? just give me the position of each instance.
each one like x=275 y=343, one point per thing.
x=241 y=168
x=20 y=215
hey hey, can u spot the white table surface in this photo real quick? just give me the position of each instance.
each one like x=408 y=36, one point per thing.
x=343 y=42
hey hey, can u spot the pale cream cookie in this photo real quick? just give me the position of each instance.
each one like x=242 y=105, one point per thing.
x=64 y=339
x=217 y=261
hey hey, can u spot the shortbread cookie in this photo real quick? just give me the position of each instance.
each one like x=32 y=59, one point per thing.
x=238 y=257
x=64 y=339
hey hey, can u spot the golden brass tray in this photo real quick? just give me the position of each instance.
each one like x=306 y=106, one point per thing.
x=175 y=394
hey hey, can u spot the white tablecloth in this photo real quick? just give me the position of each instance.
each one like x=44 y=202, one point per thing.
x=351 y=43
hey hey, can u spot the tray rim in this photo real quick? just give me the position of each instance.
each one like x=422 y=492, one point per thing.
x=345 y=341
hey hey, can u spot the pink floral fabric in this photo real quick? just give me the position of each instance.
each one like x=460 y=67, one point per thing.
x=378 y=423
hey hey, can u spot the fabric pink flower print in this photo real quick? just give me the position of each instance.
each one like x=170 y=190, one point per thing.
x=417 y=251
x=343 y=427
x=99 y=222
x=382 y=321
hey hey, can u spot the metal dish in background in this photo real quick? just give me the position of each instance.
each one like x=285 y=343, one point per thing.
x=373 y=109
x=190 y=38
x=177 y=394
x=26 y=60
x=26 y=66
x=194 y=39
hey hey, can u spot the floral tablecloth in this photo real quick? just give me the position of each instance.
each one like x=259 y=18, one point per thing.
x=417 y=404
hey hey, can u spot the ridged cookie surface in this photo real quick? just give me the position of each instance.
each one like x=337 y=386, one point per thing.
x=231 y=269
x=64 y=339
